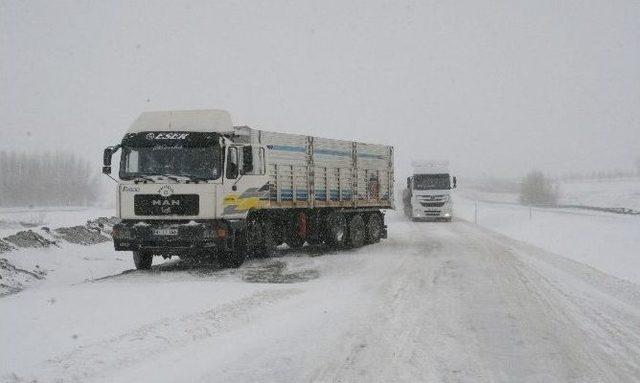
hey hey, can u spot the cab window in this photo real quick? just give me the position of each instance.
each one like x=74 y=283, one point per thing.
x=232 y=163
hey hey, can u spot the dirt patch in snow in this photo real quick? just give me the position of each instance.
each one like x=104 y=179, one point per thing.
x=29 y=238
x=275 y=272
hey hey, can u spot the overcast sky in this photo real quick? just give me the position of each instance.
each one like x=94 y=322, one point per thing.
x=496 y=87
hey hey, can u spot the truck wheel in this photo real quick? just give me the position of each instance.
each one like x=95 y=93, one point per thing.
x=356 y=231
x=374 y=228
x=235 y=257
x=335 y=230
x=296 y=230
x=278 y=232
x=314 y=240
x=253 y=237
x=267 y=246
x=142 y=260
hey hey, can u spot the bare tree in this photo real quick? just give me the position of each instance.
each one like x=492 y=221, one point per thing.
x=46 y=179
x=537 y=190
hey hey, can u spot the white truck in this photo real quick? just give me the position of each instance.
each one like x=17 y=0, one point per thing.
x=428 y=194
x=192 y=184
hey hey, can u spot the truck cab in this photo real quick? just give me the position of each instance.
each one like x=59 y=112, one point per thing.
x=428 y=195
x=178 y=172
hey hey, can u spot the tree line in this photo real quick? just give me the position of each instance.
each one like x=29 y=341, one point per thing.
x=46 y=179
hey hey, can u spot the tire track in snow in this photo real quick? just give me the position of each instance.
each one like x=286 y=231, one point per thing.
x=91 y=361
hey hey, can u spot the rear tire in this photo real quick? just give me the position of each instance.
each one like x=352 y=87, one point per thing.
x=374 y=228
x=356 y=231
x=296 y=231
x=335 y=230
x=142 y=260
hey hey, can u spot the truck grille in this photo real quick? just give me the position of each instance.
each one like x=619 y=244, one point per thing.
x=177 y=204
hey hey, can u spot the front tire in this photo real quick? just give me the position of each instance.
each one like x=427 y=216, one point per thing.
x=267 y=246
x=142 y=260
x=235 y=257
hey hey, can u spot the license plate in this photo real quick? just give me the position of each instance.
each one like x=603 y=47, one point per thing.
x=165 y=232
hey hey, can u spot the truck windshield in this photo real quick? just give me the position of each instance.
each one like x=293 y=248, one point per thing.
x=431 y=182
x=194 y=162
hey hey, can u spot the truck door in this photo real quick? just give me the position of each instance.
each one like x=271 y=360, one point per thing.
x=246 y=185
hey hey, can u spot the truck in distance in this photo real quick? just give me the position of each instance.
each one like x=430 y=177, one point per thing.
x=192 y=184
x=428 y=195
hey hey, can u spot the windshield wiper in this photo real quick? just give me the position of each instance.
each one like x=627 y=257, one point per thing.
x=141 y=178
x=169 y=176
x=194 y=177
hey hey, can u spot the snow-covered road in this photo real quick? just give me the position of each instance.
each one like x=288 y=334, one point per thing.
x=435 y=302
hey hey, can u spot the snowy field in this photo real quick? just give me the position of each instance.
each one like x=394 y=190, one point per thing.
x=608 y=242
x=437 y=302
x=604 y=193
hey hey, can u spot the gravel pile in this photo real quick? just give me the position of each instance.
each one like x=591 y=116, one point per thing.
x=28 y=238
x=82 y=235
x=5 y=246
x=93 y=232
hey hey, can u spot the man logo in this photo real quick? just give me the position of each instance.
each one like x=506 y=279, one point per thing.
x=150 y=136
x=165 y=203
x=165 y=191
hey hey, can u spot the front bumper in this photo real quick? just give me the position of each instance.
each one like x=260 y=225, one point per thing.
x=445 y=212
x=170 y=237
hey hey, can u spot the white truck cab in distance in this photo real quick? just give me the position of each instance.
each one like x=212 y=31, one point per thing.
x=428 y=195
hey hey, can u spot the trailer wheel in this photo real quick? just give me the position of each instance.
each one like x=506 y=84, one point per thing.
x=296 y=231
x=374 y=228
x=235 y=257
x=142 y=260
x=335 y=230
x=267 y=245
x=356 y=231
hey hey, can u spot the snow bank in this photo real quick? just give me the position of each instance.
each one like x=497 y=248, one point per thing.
x=56 y=254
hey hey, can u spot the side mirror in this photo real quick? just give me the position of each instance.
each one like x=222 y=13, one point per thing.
x=106 y=158
x=247 y=159
x=408 y=182
x=455 y=182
